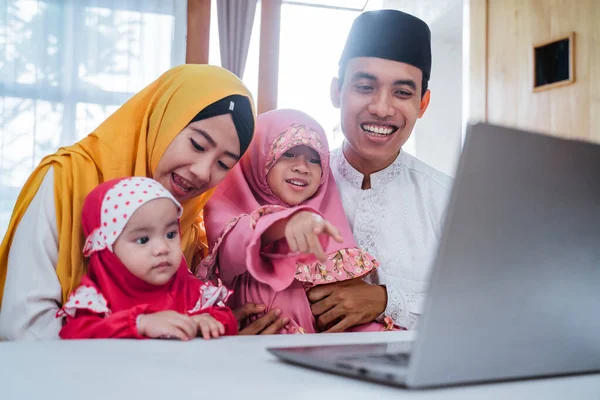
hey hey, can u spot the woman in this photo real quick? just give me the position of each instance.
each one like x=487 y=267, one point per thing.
x=186 y=130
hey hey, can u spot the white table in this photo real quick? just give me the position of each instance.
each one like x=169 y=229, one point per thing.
x=227 y=368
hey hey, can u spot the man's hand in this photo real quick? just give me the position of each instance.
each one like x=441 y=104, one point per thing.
x=268 y=324
x=342 y=305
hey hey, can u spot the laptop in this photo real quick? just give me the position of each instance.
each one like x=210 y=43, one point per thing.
x=515 y=288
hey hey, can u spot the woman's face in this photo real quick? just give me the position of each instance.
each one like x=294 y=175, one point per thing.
x=199 y=157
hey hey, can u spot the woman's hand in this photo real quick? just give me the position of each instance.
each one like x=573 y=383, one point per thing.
x=302 y=233
x=269 y=324
x=167 y=325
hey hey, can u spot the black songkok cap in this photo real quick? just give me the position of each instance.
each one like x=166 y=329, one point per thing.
x=392 y=35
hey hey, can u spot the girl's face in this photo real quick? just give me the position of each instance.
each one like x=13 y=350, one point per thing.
x=199 y=157
x=296 y=176
x=149 y=246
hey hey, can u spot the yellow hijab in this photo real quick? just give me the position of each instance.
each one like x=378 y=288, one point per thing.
x=130 y=142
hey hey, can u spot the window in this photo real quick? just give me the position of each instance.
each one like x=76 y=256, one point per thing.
x=312 y=39
x=65 y=65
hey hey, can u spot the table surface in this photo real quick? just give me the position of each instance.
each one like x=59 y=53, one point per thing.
x=227 y=367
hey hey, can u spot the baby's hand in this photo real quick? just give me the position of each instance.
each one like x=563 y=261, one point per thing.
x=302 y=233
x=167 y=325
x=208 y=326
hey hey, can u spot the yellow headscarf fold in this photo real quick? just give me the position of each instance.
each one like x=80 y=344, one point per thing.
x=130 y=142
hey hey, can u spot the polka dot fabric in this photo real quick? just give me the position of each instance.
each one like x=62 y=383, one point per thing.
x=118 y=205
x=84 y=298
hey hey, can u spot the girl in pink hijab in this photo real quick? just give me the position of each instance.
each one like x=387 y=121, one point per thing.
x=276 y=226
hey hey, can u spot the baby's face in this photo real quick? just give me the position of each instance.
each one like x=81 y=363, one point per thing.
x=150 y=246
x=296 y=176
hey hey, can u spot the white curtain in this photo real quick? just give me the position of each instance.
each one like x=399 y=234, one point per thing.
x=65 y=65
x=236 y=19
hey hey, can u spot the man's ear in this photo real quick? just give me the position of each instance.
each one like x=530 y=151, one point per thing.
x=334 y=92
x=424 y=103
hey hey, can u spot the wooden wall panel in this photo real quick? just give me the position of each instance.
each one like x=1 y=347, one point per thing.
x=570 y=113
x=594 y=73
x=514 y=27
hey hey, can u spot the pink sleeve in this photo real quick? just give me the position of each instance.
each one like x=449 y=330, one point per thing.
x=230 y=254
x=276 y=269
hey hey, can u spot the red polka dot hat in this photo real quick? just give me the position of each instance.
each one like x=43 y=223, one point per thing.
x=111 y=204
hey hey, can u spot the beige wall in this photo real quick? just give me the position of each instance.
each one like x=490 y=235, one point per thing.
x=503 y=33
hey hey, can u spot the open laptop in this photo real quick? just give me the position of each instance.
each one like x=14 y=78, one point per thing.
x=515 y=289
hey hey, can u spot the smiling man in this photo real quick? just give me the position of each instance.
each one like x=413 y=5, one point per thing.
x=395 y=203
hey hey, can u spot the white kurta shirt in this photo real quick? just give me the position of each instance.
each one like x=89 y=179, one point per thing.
x=399 y=222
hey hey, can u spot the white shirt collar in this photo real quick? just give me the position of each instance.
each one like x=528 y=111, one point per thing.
x=379 y=178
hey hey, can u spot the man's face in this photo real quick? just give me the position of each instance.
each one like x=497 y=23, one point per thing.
x=380 y=101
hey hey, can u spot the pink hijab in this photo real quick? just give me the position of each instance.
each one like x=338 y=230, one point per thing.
x=245 y=189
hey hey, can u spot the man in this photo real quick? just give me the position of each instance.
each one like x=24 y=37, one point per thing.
x=394 y=202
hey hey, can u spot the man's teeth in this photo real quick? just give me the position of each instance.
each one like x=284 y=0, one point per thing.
x=297 y=183
x=378 y=130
